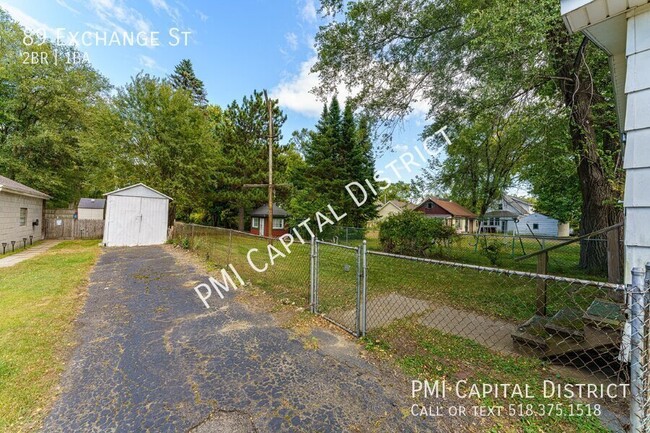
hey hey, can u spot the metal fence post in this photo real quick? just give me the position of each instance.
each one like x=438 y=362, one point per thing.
x=312 y=274
x=364 y=286
x=636 y=291
x=357 y=329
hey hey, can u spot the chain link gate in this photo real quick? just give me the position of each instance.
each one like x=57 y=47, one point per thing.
x=338 y=282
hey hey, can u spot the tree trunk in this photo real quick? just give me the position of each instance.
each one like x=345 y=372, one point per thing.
x=598 y=194
x=240 y=225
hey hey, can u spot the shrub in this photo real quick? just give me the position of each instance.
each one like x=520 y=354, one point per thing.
x=492 y=250
x=411 y=233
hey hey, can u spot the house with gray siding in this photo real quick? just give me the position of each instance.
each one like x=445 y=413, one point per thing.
x=21 y=213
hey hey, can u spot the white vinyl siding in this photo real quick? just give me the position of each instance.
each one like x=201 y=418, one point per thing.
x=541 y=225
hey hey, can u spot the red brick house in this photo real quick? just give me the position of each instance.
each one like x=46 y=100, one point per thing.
x=260 y=221
x=452 y=213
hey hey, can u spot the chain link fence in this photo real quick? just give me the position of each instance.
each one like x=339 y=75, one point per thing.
x=493 y=325
x=467 y=322
x=282 y=270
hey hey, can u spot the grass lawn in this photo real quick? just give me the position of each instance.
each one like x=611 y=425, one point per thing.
x=39 y=299
x=426 y=353
x=501 y=296
x=563 y=261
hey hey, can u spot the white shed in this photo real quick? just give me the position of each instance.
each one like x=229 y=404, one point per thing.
x=135 y=215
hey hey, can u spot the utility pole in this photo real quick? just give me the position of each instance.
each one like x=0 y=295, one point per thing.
x=271 y=186
x=270 y=106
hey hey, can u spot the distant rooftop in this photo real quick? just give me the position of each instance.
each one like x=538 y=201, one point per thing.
x=263 y=211
x=92 y=203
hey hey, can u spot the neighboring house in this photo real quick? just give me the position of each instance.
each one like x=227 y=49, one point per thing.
x=452 y=213
x=136 y=215
x=21 y=213
x=91 y=209
x=392 y=207
x=514 y=215
x=260 y=221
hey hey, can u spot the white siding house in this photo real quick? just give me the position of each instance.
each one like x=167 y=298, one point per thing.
x=539 y=224
x=91 y=209
x=514 y=215
x=135 y=215
x=21 y=213
x=392 y=207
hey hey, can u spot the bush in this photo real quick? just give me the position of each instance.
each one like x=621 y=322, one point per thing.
x=411 y=233
x=492 y=250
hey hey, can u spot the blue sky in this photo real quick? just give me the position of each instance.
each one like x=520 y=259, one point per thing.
x=235 y=47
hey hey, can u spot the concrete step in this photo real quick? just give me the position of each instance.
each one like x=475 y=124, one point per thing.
x=605 y=314
x=567 y=323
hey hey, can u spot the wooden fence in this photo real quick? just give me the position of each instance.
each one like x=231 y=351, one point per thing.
x=68 y=228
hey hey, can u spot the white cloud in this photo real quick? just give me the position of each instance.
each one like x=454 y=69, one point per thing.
x=118 y=17
x=28 y=21
x=173 y=12
x=308 y=11
x=292 y=40
x=400 y=147
x=68 y=7
x=203 y=17
x=150 y=63
x=295 y=94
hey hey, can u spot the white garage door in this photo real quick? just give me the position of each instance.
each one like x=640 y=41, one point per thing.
x=136 y=221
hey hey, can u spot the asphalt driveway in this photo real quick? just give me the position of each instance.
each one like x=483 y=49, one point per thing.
x=152 y=358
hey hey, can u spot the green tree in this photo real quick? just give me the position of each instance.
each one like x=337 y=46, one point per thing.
x=243 y=134
x=400 y=191
x=471 y=58
x=337 y=153
x=45 y=108
x=184 y=77
x=156 y=135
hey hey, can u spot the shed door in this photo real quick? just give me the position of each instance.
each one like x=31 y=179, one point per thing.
x=125 y=221
x=153 y=228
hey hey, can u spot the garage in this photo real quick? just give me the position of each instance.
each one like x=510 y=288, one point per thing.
x=135 y=215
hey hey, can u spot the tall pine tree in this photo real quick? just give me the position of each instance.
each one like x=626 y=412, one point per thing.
x=184 y=78
x=339 y=152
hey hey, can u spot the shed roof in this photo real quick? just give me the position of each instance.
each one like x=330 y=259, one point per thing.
x=137 y=185
x=14 y=187
x=91 y=203
x=263 y=211
x=453 y=208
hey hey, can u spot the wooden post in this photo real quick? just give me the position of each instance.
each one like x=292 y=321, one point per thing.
x=542 y=268
x=270 y=106
x=613 y=257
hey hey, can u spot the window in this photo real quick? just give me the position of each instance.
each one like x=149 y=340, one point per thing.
x=429 y=205
x=255 y=223
x=278 y=223
x=500 y=206
x=535 y=226
x=23 y=216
